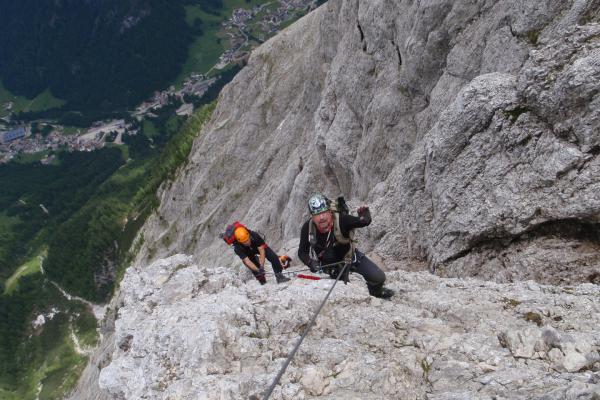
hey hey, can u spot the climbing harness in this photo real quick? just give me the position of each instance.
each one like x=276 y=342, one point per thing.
x=337 y=235
x=310 y=324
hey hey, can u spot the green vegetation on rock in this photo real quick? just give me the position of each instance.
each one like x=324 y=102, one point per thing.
x=44 y=354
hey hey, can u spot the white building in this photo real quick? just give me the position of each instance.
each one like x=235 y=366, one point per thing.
x=14 y=134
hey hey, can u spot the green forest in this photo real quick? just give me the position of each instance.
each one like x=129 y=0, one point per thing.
x=94 y=204
x=61 y=189
x=97 y=56
x=77 y=62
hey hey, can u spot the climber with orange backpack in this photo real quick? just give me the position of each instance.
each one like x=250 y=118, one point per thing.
x=252 y=250
x=327 y=240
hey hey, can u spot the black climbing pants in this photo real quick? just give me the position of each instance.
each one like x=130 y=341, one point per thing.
x=272 y=257
x=374 y=276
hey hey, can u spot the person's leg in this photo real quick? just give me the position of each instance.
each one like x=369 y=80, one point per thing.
x=374 y=276
x=276 y=264
x=273 y=259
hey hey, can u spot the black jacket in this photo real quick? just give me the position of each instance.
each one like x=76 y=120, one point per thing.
x=327 y=248
x=256 y=241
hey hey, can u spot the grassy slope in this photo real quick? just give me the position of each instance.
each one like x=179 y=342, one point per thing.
x=205 y=50
x=30 y=267
x=57 y=364
x=42 y=101
x=28 y=158
x=71 y=130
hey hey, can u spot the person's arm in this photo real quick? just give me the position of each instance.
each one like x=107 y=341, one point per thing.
x=348 y=222
x=364 y=214
x=238 y=249
x=261 y=255
x=250 y=264
x=260 y=245
x=304 y=247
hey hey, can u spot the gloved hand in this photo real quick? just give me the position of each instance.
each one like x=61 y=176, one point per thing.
x=314 y=265
x=364 y=213
x=260 y=276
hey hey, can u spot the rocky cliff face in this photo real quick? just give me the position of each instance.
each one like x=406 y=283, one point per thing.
x=198 y=332
x=471 y=128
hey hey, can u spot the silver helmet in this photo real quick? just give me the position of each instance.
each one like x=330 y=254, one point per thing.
x=317 y=203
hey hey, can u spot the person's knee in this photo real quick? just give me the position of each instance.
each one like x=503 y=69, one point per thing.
x=271 y=256
x=377 y=277
x=273 y=259
x=371 y=272
x=375 y=282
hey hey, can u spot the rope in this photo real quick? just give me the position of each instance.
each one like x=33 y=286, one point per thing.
x=286 y=272
x=312 y=321
x=326 y=266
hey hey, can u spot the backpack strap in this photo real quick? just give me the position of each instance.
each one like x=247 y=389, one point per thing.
x=340 y=238
x=337 y=232
x=312 y=239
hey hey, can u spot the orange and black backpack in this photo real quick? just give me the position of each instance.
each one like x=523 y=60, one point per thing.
x=229 y=235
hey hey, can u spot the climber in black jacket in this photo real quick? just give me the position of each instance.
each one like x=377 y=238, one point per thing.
x=326 y=238
x=252 y=250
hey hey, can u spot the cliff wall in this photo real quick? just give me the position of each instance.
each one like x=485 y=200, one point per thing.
x=471 y=129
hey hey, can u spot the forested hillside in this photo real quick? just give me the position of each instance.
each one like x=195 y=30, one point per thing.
x=96 y=55
x=85 y=219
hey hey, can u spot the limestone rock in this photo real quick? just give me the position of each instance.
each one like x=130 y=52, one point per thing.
x=469 y=127
x=471 y=130
x=437 y=338
x=521 y=343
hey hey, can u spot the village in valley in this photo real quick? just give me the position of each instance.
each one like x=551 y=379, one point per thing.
x=245 y=29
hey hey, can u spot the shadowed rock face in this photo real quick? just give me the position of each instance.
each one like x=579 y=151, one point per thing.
x=471 y=129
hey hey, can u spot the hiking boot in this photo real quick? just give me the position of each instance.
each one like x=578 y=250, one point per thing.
x=384 y=293
x=281 y=278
